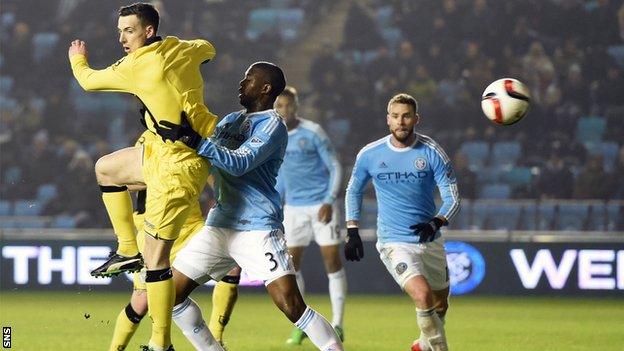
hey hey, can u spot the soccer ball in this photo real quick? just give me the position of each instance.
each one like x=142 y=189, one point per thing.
x=505 y=101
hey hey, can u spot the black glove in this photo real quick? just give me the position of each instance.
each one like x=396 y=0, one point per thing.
x=353 y=249
x=427 y=230
x=182 y=132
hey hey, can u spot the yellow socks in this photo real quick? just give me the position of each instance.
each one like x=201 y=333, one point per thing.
x=127 y=323
x=224 y=298
x=119 y=207
x=160 y=300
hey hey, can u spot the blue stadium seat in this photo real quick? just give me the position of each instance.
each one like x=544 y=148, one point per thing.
x=529 y=217
x=46 y=192
x=65 y=222
x=504 y=216
x=28 y=208
x=31 y=223
x=392 y=37
x=545 y=215
x=597 y=219
x=506 y=153
x=615 y=215
x=384 y=16
x=43 y=45
x=489 y=174
x=286 y=21
x=5 y=208
x=495 y=191
x=477 y=152
x=480 y=213
x=462 y=219
x=6 y=84
x=518 y=176
x=590 y=129
x=572 y=216
x=12 y=175
x=8 y=223
x=617 y=52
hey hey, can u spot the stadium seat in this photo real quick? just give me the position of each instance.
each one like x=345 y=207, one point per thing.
x=46 y=192
x=590 y=129
x=617 y=52
x=12 y=175
x=477 y=152
x=5 y=208
x=43 y=45
x=286 y=21
x=31 y=223
x=384 y=16
x=6 y=84
x=480 y=213
x=597 y=219
x=504 y=216
x=572 y=216
x=65 y=222
x=489 y=174
x=495 y=191
x=615 y=215
x=506 y=153
x=528 y=217
x=392 y=37
x=462 y=220
x=545 y=215
x=518 y=176
x=28 y=208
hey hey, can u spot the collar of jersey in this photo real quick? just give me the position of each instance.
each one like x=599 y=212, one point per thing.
x=152 y=40
x=403 y=149
x=257 y=112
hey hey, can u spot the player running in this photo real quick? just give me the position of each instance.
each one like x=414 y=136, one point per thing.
x=164 y=74
x=405 y=168
x=245 y=227
x=309 y=181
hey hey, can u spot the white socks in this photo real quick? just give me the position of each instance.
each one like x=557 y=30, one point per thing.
x=300 y=282
x=188 y=317
x=319 y=331
x=337 y=294
x=432 y=329
x=422 y=340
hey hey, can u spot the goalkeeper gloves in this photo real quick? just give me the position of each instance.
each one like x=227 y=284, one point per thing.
x=182 y=132
x=427 y=230
x=353 y=249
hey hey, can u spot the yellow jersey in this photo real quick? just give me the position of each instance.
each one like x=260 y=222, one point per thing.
x=164 y=75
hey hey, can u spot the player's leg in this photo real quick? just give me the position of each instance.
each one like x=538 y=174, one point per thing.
x=327 y=236
x=224 y=298
x=428 y=321
x=264 y=254
x=337 y=279
x=204 y=256
x=128 y=320
x=287 y=298
x=114 y=172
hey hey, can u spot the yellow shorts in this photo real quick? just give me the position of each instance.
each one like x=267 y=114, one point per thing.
x=175 y=177
x=194 y=223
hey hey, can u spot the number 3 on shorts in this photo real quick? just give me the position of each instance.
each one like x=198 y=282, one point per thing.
x=272 y=260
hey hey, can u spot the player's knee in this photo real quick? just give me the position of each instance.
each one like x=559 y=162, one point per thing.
x=422 y=298
x=103 y=173
x=333 y=264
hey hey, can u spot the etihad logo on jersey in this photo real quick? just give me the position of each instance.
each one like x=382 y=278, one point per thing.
x=400 y=177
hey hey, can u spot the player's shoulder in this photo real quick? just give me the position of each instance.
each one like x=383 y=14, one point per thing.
x=311 y=126
x=269 y=121
x=377 y=145
x=431 y=145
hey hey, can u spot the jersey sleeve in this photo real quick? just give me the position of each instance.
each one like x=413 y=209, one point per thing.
x=280 y=186
x=446 y=182
x=265 y=139
x=328 y=155
x=205 y=50
x=355 y=189
x=116 y=77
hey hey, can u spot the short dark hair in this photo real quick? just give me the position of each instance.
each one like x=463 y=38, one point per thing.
x=291 y=93
x=274 y=76
x=404 y=99
x=147 y=13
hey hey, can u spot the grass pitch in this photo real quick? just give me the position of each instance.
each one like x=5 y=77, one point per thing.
x=56 y=321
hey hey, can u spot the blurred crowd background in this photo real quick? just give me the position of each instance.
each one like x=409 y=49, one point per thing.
x=562 y=167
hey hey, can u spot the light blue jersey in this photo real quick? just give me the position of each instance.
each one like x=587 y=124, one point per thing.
x=404 y=180
x=246 y=152
x=311 y=171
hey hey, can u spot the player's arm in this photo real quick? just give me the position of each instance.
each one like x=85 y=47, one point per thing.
x=354 y=250
x=330 y=159
x=117 y=77
x=205 y=51
x=280 y=186
x=447 y=185
x=252 y=153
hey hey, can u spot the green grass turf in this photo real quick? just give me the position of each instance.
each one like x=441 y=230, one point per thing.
x=55 y=321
